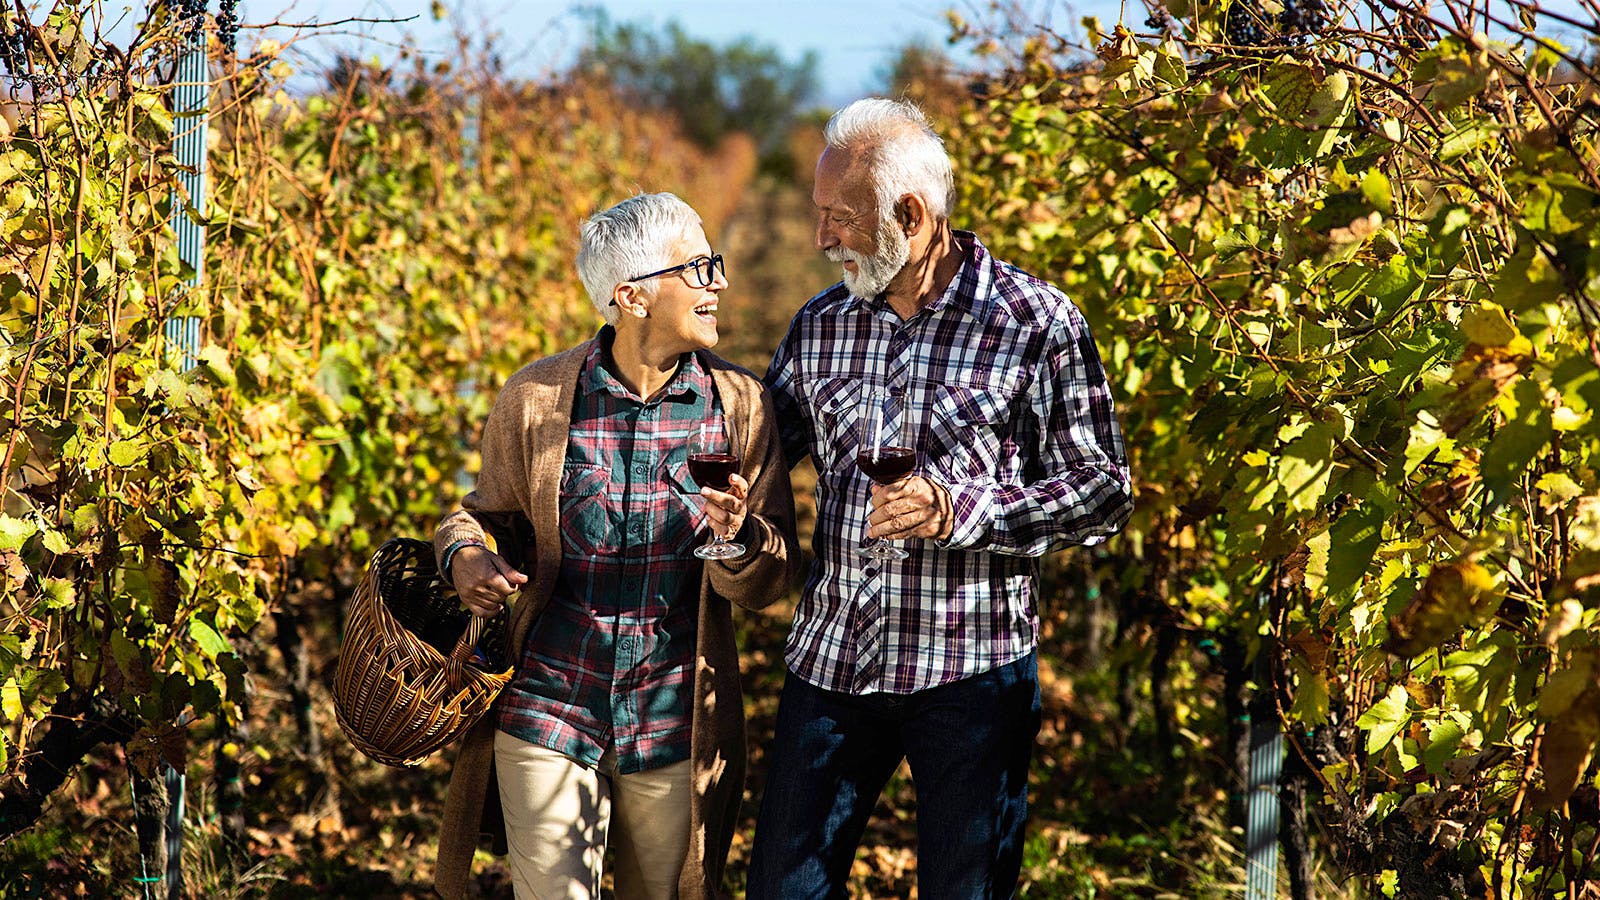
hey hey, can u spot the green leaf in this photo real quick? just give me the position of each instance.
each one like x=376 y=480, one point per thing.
x=1444 y=739
x=56 y=542
x=1428 y=439
x=1375 y=187
x=1385 y=719
x=1466 y=139
x=214 y=361
x=127 y=453
x=1318 y=548
x=1516 y=444
x=1290 y=87
x=207 y=639
x=1306 y=466
x=1557 y=206
x=1354 y=540
x=1236 y=240
x=1459 y=77
x=1527 y=280
x=15 y=532
x=59 y=593
x=1481 y=673
x=1310 y=695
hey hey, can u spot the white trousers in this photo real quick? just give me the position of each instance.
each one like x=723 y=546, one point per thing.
x=559 y=815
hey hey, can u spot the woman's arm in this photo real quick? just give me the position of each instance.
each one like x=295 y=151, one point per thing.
x=480 y=576
x=764 y=573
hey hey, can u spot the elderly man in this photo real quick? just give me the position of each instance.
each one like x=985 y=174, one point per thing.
x=932 y=658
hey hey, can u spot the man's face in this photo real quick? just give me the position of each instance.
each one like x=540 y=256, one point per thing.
x=683 y=317
x=872 y=250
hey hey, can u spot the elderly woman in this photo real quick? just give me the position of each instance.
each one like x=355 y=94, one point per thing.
x=623 y=725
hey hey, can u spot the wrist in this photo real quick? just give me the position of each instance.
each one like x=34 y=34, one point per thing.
x=452 y=552
x=947 y=516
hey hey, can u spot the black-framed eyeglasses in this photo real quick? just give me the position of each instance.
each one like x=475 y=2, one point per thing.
x=704 y=269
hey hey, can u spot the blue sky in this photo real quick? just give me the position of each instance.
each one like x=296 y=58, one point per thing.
x=855 y=39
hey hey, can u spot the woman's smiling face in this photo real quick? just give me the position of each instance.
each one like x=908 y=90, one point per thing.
x=682 y=317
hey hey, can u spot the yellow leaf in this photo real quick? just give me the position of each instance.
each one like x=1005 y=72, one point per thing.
x=1565 y=418
x=1567 y=747
x=1487 y=325
x=11 y=701
x=1454 y=594
x=1556 y=488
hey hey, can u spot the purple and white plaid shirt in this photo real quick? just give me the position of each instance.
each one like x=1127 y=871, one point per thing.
x=1008 y=407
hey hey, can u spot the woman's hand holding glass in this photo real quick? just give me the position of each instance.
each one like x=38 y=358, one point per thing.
x=483 y=579
x=725 y=510
x=715 y=467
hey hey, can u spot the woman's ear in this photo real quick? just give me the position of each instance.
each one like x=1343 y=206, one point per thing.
x=631 y=300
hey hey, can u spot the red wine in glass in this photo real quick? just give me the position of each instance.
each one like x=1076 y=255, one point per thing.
x=881 y=456
x=887 y=464
x=713 y=470
x=711 y=464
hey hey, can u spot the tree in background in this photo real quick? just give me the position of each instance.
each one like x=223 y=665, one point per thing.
x=714 y=91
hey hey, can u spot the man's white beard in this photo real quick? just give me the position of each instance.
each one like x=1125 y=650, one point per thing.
x=873 y=273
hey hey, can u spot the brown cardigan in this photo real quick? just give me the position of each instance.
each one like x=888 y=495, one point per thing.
x=523 y=448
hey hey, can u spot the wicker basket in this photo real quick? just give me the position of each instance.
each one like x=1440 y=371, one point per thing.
x=408 y=682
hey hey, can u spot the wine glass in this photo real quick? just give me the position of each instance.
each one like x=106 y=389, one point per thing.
x=883 y=455
x=712 y=463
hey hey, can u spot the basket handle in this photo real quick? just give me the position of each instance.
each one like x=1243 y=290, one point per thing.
x=469 y=639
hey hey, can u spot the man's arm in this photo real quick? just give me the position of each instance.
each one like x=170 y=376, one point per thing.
x=1086 y=493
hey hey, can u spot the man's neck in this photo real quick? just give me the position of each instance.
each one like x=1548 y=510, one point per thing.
x=926 y=274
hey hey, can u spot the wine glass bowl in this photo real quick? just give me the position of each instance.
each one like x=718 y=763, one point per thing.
x=712 y=463
x=887 y=465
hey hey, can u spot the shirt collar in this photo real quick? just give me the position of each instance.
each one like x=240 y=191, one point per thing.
x=690 y=381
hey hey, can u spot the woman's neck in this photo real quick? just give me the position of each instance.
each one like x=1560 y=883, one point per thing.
x=641 y=368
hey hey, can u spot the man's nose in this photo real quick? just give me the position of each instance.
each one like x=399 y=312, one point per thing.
x=825 y=236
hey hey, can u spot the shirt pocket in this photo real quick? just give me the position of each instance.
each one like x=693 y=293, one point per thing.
x=590 y=525
x=837 y=403
x=685 y=511
x=969 y=434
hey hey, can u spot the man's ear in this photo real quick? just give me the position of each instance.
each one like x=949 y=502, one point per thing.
x=910 y=213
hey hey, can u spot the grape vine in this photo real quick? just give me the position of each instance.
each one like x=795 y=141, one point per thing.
x=1341 y=276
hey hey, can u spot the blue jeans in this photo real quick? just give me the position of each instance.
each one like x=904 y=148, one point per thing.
x=968 y=743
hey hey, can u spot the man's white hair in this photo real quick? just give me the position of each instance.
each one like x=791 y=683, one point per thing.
x=904 y=154
x=637 y=236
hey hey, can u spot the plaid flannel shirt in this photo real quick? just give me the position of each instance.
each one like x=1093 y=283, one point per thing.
x=610 y=660
x=1009 y=409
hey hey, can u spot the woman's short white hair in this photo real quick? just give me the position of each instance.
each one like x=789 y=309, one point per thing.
x=639 y=235
x=904 y=154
